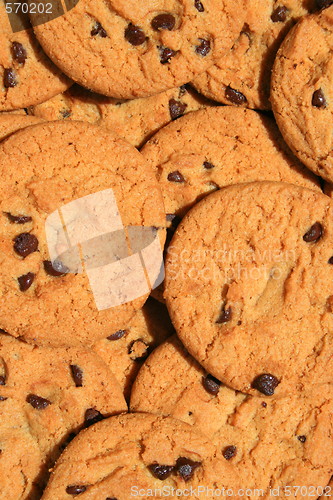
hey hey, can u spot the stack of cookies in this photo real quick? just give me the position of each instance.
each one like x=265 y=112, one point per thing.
x=188 y=140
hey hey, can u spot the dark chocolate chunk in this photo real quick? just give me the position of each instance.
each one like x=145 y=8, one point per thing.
x=185 y=467
x=2 y=380
x=225 y=316
x=18 y=219
x=19 y=52
x=176 y=176
x=9 y=78
x=38 y=402
x=176 y=108
x=166 y=54
x=75 y=489
x=280 y=14
x=77 y=375
x=119 y=334
x=198 y=5
x=203 y=48
x=314 y=233
x=302 y=439
x=318 y=99
x=207 y=165
x=92 y=416
x=265 y=383
x=234 y=96
x=163 y=22
x=25 y=244
x=161 y=471
x=98 y=30
x=211 y=384
x=134 y=35
x=55 y=268
x=25 y=281
x=229 y=452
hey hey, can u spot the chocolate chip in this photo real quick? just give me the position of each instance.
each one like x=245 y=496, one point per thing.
x=38 y=402
x=98 y=30
x=176 y=108
x=207 y=165
x=2 y=380
x=314 y=234
x=117 y=335
x=176 y=176
x=2 y=398
x=77 y=375
x=19 y=52
x=235 y=96
x=25 y=244
x=75 y=489
x=134 y=35
x=323 y=4
x=163 y=22
x=92 y=416
x=264 y=404
x=185 y=467
x=109 y=498
x=9 y=78
x=138 y=350
x=166 y=54
x=318 y=99
x=25 y=281
x=211 y=384
x=302 y=439
x=330 y=260
x=65 y=113
x=18 y=219
x=55 y=268
x=198 y=5
x=280 y=14
x=229 y=452
x=161 y=471
x=265 y=383
x=203 y=48
x=225 y=316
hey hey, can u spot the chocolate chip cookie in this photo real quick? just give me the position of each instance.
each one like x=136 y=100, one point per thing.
x=77 y=216
x=269 y=443
x=127 y=49
x=130 y=454
x=242 y=76
x=27 y=76
x=301 y=92
x=10 y=123
x=124 y=351
x=248 y=286
x=136 y=120
x=46 y=397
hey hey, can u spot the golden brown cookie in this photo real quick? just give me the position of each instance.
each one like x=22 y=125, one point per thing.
x=248 y=286
x=27 y=76
x=105 y=193
x=10 y=123
x=242 y=76
x=301 y=92
x=136 y=120
x=132 y=455
x=46 y=397
x=270 y=444
x=124 y=351
x=128 y=49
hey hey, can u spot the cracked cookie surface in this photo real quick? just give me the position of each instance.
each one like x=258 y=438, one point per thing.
x=248 y=286
x=242 y=76
x=138 y=452
x=11 y=123
x=56 y=162
x=269 y=443
x=46 y=397
x=301 y=91
x=128 y=49
x=27 y=76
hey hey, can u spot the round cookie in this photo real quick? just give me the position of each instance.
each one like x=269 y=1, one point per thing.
x=27 y=76
x=216 y=147
x=270 y=443
x=242 y=76
x=62 y=162
x=248 y=286
x=128 y=49
x=136 y=120
x=124 y=351
x=47 y=396
x=129 y=455
x=301 y=91
x=10 y=123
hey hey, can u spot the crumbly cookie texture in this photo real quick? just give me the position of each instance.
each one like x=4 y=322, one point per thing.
x=46 y=397
x=11 y=123
x=129 y=453
x=124 y=351
x=135 y=120
x=242 y=76
x=301 y=91
x=216 y=147
x=27 y=76
x=128 y=49
x=242 y=275
x=42 y=304
x=269 y=443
